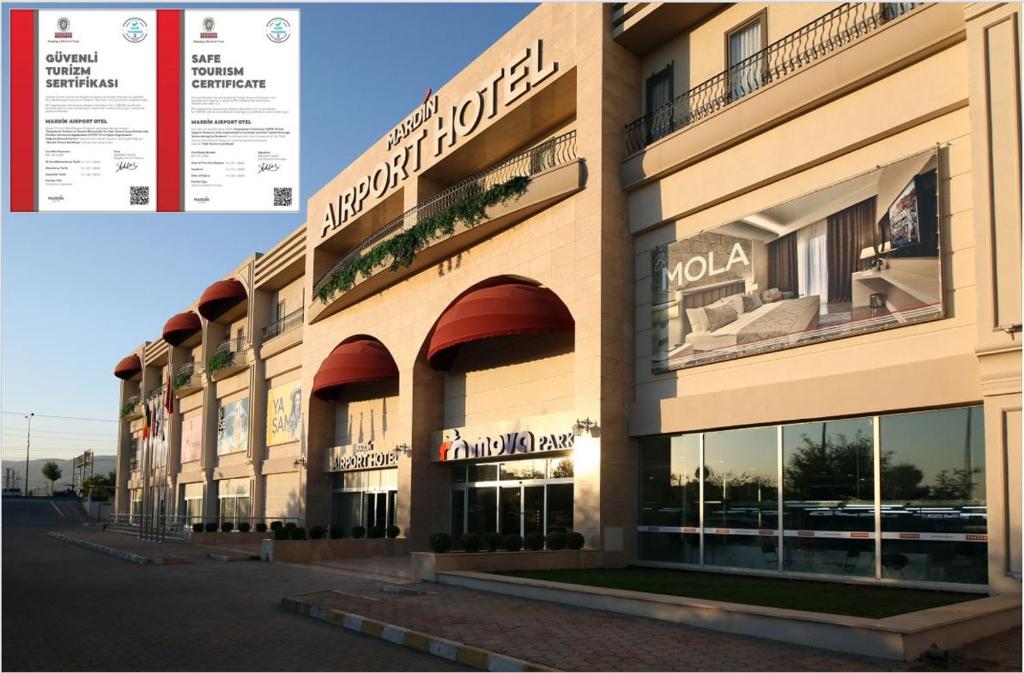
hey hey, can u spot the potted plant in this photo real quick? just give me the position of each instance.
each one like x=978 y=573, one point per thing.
x=197 y=528
x=261 y=527
x=297 y=533
x=557 y=540
x=513 y=542
x=534 y=540
x=441 y=543
x=492 y=541
x=227 y=526
x=470 y=542
x=244 y=527
x=575 y=540
x=317 y=533
x=336 y=532
x=393 y=531
x=211 y=527
x=358 y=532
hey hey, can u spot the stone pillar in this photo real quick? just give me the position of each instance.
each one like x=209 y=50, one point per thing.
x=993 y=48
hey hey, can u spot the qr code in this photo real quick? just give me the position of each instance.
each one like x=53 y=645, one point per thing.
x=139 y=196
x=282 y=196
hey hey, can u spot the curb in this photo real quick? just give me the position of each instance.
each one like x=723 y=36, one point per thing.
x=227 y=558
x=118 y=553
x=467 y=655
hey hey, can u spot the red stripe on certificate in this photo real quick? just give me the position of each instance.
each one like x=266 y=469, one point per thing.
x=23 y=110
x=168 y=110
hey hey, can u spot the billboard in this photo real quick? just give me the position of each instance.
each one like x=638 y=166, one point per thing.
x=233 y=427
x=859 y=256
x=192 y=438
x=284 y=413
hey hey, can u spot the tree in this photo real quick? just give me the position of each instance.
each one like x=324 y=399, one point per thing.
x=100 y=485
x=52 y=472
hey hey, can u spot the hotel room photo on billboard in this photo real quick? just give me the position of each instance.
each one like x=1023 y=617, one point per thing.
x=859 y=256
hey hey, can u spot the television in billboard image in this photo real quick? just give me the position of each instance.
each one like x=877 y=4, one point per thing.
x=859 y=256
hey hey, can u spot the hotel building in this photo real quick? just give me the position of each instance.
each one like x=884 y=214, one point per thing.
x=732 y=286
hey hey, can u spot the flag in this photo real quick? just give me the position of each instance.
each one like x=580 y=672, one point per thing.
x=145 y=425
x=169 y=397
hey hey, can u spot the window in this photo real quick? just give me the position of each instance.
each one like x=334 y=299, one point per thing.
x=239 y=337
x=281 y=311
x=746 y=62
x=233 y=500
x=366 y=498
x=927 y=470
x=934 y=519
x=659 y=99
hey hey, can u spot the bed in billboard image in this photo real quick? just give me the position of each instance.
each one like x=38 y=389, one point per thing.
x=858 y=256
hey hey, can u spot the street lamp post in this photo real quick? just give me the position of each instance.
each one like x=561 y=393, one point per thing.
x=28 y=444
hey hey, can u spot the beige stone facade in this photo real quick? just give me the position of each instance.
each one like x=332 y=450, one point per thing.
x=563 y=98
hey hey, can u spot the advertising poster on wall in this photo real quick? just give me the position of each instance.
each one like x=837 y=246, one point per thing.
x=856 y=257
x=241 y=110
x=284 y=413
x=233 y=427
x=192 y=438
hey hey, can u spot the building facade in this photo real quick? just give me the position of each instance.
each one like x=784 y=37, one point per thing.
x=716 y=285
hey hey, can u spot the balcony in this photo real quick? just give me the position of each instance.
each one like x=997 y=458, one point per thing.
x=554 y=173
x=825 y=35
x=131 y=409
x=187 y=380
x=282 y=334
x=230 y=357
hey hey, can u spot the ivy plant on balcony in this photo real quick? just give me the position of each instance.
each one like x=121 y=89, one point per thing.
x=127 y=409
x=402 y=248
x=181 y=379
x=220 y=361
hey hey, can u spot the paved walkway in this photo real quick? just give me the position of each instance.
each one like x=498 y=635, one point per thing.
x=549 y=634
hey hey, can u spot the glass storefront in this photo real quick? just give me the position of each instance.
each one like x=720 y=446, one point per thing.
x=365 y=498
x=898 y=496
x=233 y=500
x=520 y=497
x=192 y=503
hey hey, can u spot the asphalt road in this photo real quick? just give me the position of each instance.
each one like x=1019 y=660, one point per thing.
x=69 y=608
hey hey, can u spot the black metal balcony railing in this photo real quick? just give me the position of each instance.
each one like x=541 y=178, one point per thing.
x=233 y=345
x=130 y=402
x=539 y=158
x=826 y=34
x=187 y=375
x=285 y=324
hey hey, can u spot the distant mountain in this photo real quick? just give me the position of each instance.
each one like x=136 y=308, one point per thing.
x=103 y=465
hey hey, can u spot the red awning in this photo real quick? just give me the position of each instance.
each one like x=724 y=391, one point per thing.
x=221 y=296
x=180 y=327
x=128 y=367
x=497 y=310
x=353 y=362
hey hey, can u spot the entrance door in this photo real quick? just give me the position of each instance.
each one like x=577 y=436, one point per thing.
x=510 y=505
x=533 y=509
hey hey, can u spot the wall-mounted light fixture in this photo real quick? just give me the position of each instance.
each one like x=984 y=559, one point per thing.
x=586 y=425
x=402 y=448
x=299 y=462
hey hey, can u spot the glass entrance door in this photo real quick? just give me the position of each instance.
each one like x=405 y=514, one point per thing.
x=533 y=509
x=510 y=510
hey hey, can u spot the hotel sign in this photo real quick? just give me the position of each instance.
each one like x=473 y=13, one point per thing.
x=436 y=128
x=358 y=457
x=542 y=434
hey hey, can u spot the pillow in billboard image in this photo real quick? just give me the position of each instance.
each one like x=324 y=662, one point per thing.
x=771 y=295
x=751 y=302
x=736 y=301
x=698 y=319
x=720 y=316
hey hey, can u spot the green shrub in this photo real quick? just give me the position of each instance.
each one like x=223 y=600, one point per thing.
x=282 y=533
x=358 y=532
x=534 y=540
x=298 y=533
x=317 y=533
x=492 y=541
x=275 y=525
x=375 y=532
x=244 y=527
x=470 y=542
x=575 y=540
x=211 y=527
x=290 y=524
x=512 y=542
x=441 y=543
x=336 y=532
x=261 y=527
x=227 y=526
x=557 y=540
x=197 y=528
x=393 y=531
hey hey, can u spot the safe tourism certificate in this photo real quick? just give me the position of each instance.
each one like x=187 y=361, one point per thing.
x=241 y=110
x=95 y=102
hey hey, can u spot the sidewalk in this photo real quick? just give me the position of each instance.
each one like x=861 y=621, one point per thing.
x=131 y=548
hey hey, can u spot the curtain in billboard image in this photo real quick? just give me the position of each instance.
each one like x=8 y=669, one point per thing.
x=812 y=260
x=849 y=231
x=782 y=265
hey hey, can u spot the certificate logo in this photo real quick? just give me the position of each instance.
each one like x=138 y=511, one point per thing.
x=63 y=29
x=278 y=30
x=134 y=29
x=209 y=31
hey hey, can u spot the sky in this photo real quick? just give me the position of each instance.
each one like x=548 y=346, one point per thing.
x=79 y=292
